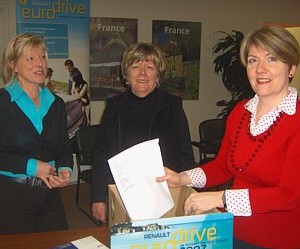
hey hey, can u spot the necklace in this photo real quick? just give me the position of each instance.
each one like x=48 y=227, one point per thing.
x=259 y=141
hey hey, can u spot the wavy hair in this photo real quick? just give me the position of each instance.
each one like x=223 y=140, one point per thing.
x=143 y=51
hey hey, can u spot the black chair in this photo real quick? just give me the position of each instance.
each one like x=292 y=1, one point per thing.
x=211 y=132
x=85 y=141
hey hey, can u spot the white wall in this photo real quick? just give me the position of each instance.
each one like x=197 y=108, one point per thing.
x=296 y=80
x=215 y=15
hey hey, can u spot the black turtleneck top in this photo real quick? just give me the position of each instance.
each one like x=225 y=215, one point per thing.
x=136 y=119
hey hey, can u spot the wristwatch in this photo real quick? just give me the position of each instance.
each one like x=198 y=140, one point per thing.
x=224 y=200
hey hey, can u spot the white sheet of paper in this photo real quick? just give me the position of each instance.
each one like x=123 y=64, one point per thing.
x=134 y=171
x=88 y=243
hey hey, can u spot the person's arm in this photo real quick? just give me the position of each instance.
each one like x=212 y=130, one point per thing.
x=83 y=91
x=187 y=160
x=99 y=210
x=199 y=203
x=217 y=171
x=282 y=166
x=62 y=156
x=73 y=90
x=100 y=168
x=11 y=157
x=236 y=201
x=174 y=179
x=63 y=153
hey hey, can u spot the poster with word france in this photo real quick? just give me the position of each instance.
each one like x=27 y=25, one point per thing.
x=109 y=38
x=180 y=42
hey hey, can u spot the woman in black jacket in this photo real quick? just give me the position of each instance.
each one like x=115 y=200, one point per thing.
x=35 y=154
x=141 y=113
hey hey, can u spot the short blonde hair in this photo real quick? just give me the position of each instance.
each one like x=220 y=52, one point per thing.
x=143 y=51
x=14 y=50
x=274 y=39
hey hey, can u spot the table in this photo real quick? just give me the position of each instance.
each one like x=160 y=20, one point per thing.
x=47 y=240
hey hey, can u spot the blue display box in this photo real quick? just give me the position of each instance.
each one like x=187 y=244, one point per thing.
x=212 y=231
x=172 y=231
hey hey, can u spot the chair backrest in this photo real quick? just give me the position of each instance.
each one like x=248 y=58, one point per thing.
x=211 y=132
x=85 y=139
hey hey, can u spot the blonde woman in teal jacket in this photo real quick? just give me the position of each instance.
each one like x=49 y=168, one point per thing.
x=35 y=154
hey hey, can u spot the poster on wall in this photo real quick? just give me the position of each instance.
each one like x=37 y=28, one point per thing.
x=64 y=25
x=109 y=38
x=180 y=42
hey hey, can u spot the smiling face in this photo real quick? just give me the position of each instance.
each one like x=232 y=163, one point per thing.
x=143 y=77
x=268 y=76
x=31 y=67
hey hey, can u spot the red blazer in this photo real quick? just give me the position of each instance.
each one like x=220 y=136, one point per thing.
x=271 y=173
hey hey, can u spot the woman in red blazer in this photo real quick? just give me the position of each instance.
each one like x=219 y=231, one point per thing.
x=260 y=150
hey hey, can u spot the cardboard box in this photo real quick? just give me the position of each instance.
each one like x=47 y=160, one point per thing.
x=173 y=230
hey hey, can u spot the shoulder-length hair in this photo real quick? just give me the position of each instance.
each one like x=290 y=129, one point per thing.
x=14 y=50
